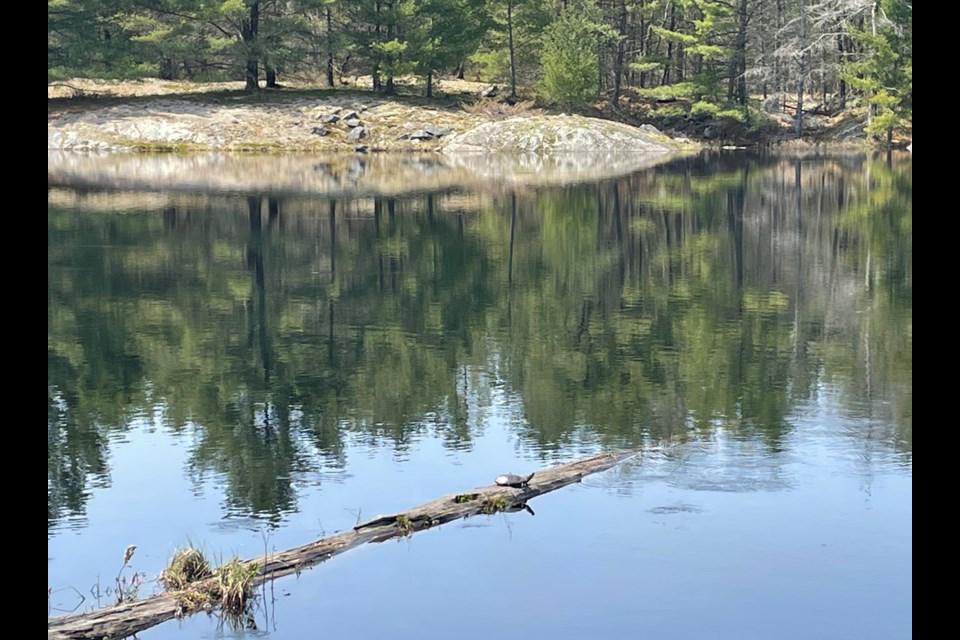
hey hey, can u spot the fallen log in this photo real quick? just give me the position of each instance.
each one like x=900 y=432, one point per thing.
x=128 y=618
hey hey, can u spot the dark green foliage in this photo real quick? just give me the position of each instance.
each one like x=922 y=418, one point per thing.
x=697 y=62
x=445 y=32
x=88 y=38
x=813 y=55
x=175 y=39
x=884 y=73
x=569 y=59
x=510 y=49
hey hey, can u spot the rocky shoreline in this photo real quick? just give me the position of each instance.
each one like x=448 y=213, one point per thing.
x=148 y=116
x=326 y=124
x=332 y=125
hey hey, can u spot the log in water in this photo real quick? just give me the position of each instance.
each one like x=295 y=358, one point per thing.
x=128 y=618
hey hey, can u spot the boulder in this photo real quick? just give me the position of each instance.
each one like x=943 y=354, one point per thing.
x=489 y=91
x=356 y=134
x=548 y=134
x=437 y=132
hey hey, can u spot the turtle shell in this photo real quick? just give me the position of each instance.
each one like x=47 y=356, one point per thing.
x=512 y=480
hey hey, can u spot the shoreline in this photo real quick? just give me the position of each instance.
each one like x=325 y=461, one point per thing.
x=157 y=117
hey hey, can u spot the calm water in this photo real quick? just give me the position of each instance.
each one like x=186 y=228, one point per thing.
x=251 y=371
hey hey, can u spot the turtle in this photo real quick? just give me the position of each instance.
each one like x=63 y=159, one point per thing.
x=513 y=480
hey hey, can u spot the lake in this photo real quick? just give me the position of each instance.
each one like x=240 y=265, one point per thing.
x=247 y=370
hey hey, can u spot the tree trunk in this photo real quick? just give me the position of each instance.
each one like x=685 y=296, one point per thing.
x=803 y=67
x=778 y=85
x=599 y=67
x=621 y=46
x=842 y=88
x=873 y=32
x=513 y=65
x=737 y=88
x=429 y=84
x=376 y=59
x=763 y=55
x=330 y=82
x=249 y=31
x=681 y=62
x=166 y=69
x=798 y=123
x=665 y=79
x=644 y=44
x=390 y=89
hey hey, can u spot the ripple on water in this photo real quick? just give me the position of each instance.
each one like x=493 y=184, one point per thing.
x=676 y=508
x=723 y=465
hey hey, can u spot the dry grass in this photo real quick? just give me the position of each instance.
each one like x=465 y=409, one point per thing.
x=497 y=109
x=230 y=585
x=91 y=88
x=234 y=585
x=187 y=566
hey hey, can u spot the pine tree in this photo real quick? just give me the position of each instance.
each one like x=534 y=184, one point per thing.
x=443 y=33
x=885 y=72
x=569 y=62
x=510 y=48
x=701 y=61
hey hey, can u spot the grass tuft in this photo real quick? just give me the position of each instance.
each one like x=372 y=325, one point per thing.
x=187 y=566
x=234 y=585
x=494 y=505
x=404 y=524
x=229 y=585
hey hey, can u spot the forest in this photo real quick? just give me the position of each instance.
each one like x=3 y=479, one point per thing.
x=709 y=58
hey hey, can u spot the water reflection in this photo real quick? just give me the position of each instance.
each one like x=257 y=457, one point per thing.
x=708 y=300
x=719 y=465
x=339 y=175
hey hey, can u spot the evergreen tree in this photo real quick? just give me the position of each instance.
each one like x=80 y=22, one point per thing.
x=380 y=30
x=699 y=57
x=510 y=49
x=885 y=72
x=569 y=63
x=705 y=54
x=87 y=38
x=444 y=33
